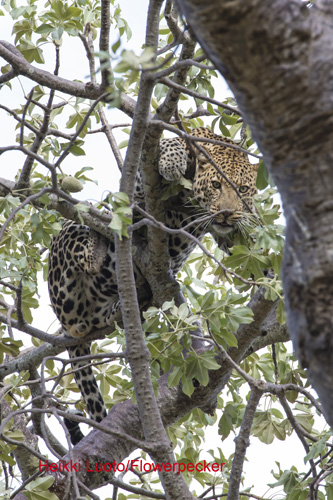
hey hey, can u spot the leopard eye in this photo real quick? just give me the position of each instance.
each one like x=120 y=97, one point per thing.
x=243 y=189
x=216 y=184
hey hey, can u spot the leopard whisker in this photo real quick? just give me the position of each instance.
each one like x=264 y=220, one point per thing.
x=240 y=225
x=245 y=226
x=206 y=220
x=251 y=219
x=200 y=214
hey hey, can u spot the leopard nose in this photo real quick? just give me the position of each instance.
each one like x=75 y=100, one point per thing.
x=226 y=213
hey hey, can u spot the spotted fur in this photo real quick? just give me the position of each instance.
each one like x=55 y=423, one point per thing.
x=82 y=280
x=232 y=200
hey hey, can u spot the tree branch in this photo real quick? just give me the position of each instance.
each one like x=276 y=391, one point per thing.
x=104 y=43
x=26 y=460
x=242 y=442
x=169 y=106
x=137 y=352
x=42 y=77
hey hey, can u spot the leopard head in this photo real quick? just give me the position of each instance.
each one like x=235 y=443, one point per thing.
x=231 y=202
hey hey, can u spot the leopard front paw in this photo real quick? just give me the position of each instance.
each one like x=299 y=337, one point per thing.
x=173 y=159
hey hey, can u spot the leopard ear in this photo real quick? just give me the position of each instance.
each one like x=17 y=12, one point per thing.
x=255 y=166
x=202 y=162
x=201 y=158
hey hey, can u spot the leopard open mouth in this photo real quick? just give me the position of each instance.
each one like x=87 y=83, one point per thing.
x=222 y=227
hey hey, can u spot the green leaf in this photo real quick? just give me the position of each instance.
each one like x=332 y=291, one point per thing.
x=175 y=376
x=195 y=369
x=31 y=52
x=208 y=299
x=187 y=386
x=224 y=131
x=10 y=346
x=227 y=336
x=281 y=313
x=197 y=366
x=164 y=31
x=230 y=120
x=116 y=45
x=211 y=109
x=329 y=491
x=129 y=61
x=41 y=483
x=57 y=33
x=262 y=176
x=39 y=489
x=306 y=421
x=21 y=11
x=116 y=225
x=44 y=29
x=147 y=58
x=267 y=426
x=183 y=311
x=120 y=198
x=77 y=151
x=15 y=434
x=317 y=448
x=7 y=458
x=120 y=496
x=289 y=480
x=232 y=415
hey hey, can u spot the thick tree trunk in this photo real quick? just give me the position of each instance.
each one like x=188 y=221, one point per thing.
x=277 y=58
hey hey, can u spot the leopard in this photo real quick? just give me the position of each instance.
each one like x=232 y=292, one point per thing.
x=82 y=265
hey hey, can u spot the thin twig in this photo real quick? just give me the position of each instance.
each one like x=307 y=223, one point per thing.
x=25 y=483
x=24 y=179
x=189 y=137
x=79 y=130
x=196 y=95
x=182 y=64
x=25 y=109
x=144 y=445
x=137 y=491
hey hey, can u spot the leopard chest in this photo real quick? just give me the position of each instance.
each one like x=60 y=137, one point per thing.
x=181 y=245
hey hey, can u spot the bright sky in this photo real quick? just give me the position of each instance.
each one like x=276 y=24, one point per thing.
x=261 y=458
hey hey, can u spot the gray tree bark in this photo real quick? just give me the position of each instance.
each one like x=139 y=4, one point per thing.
x=277 y=58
